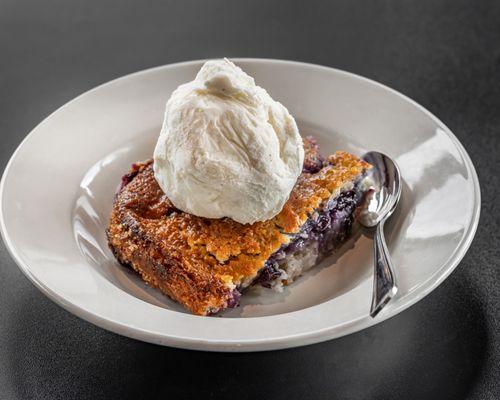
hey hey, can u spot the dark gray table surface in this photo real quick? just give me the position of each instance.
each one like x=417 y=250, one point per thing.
x=443 y=54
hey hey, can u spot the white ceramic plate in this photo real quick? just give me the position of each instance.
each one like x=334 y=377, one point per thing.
x=57 y=191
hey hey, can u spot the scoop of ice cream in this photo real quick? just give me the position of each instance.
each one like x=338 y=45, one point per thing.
x=226 y=148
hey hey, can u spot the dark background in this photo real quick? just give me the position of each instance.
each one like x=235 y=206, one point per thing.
x=443 y=54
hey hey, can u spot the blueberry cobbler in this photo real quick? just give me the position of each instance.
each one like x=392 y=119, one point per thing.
x=233 y=197
x=205 y=264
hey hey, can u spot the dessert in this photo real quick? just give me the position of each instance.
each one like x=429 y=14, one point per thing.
x=205 y=262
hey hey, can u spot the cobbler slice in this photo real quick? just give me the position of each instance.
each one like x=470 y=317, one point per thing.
x=205 y=264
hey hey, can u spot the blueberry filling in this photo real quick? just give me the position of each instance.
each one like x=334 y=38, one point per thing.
x=313 y=164
x=314 y=161
x=127 y=178
x=268 y=274
x=329 y=227
x=234 y=298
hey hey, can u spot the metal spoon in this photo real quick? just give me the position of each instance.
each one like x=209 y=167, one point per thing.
x=378 y=208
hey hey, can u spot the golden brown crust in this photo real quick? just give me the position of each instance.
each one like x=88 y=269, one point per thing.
x=197 y=261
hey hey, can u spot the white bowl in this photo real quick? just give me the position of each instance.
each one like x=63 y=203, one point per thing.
x=57 y=190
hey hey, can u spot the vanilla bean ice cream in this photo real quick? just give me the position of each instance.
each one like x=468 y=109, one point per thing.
x=226 y=148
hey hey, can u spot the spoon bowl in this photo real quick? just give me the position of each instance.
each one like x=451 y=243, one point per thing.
x=386 y=184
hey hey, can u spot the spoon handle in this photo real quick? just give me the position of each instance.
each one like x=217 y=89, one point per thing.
x=384 y=282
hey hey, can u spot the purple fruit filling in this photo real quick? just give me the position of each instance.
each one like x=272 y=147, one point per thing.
x=330 y=227
x=314 y=162
x=127 y=178
x=234 y=299
x=268 y=274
